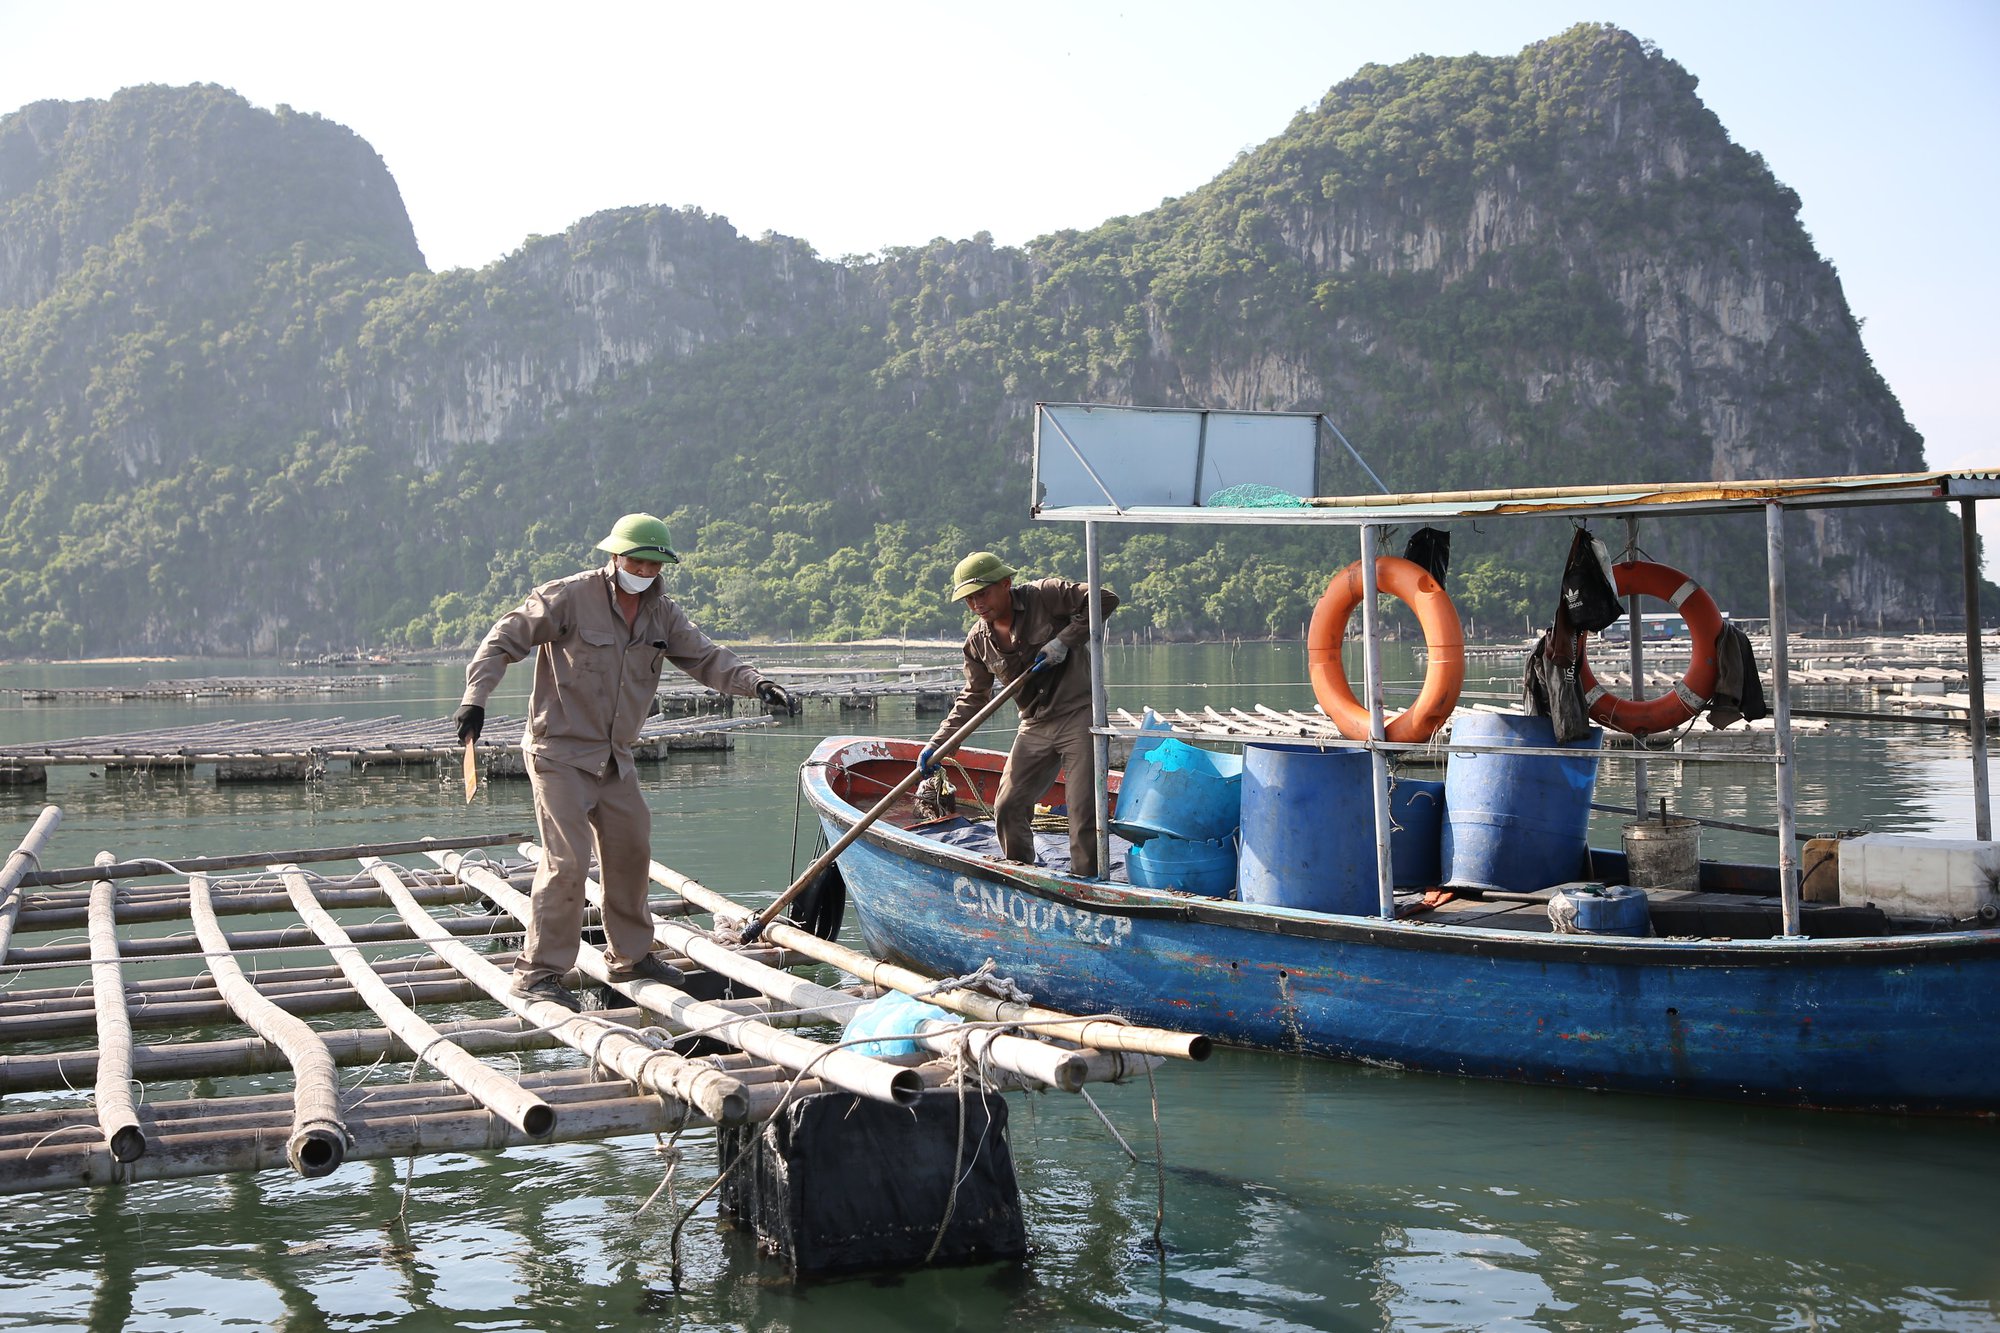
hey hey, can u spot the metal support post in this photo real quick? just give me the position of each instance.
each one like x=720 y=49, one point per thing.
x=1637 y=657
x=1781 y=718
x=1975 y=671
x=1371 y=668
x=1100 y=710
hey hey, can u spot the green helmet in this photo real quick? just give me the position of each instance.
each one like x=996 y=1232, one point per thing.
x=979 y=570
x=642 y=537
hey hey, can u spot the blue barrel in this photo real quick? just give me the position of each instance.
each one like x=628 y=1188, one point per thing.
x=1416 y=842
x=1308 y=830
x=1205 y=867
x=1517 y=823
x=1173 y=790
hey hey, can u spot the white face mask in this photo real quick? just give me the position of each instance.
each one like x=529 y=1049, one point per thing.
x=632 y=583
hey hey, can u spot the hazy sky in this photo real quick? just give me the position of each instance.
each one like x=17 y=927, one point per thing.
x=862 y=125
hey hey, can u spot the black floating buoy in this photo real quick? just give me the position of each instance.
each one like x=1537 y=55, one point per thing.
x=836 y=1183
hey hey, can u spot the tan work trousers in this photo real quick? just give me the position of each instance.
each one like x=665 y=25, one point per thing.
x=576 y=813
x=1040 y=752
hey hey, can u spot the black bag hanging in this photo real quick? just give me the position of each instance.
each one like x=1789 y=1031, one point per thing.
x=1739 y=694
x=1549 y=689
x=1589 y=596
x=1430 y=550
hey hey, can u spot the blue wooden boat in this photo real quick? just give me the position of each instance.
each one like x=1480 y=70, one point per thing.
x=1745 y=992
x=1889 y=1022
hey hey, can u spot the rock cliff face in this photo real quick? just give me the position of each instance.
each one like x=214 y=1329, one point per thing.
x=75 y=177
x=462 y=359
x=219 y=347
x=1585 y=166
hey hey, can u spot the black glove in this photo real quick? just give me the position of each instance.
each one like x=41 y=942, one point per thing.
x=470 y=719
x=776 y=698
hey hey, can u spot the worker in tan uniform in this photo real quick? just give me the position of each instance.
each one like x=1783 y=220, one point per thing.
x=600 y=638
x=1041 y=627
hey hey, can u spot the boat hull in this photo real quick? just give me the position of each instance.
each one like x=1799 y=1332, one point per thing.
x=1895 y=1023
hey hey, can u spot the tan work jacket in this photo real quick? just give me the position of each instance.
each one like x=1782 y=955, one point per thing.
x=595 y=678
x=1043 y=610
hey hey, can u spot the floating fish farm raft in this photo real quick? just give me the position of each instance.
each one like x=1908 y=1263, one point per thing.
x=142 y=1039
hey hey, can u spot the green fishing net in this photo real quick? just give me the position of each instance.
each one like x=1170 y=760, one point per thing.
x=1250 y=495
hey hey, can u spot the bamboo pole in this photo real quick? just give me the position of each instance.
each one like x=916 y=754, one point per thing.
x=115 y=1111
x=318 y=1138
x=1033 y=1060
x=14 y=873
x=1649 y=492
x=288 y=939
x=1097 y=1033
x=174 y=1060
x=665 y=1072
x=197 y=985
x=489 y=1087
x=248 y=860
x=856 y=1073
x=57 y=1165
x=44 y=913
x=763 y=919
x=298 y=1003
x=201 y=1114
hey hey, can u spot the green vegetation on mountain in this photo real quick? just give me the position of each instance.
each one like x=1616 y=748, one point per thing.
x=237 y=414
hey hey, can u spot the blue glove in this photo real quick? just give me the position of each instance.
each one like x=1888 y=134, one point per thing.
x=1054 y=653
x=927 y=761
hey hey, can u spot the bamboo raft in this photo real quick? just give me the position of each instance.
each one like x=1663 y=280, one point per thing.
x=851 y=689
x=203 y=687
x=1265 y=723
x=739 y=1038
x=289 y=749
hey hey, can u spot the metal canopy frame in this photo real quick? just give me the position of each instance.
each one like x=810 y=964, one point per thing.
x=1130 y=469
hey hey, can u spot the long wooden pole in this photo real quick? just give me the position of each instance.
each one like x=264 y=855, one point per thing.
x=291 y=937
x=397 y=1131
x=176 y=1060
x=15 y=873
x=826 y=858
x=318 y=1139
x=116 y=1113
x=249 y=860
x=489 y=1087
x=1098 y=1033
x=1059 y=1067
x=169 y=903
x=300 y=1000
x=668 y=1073
x=849 y=1070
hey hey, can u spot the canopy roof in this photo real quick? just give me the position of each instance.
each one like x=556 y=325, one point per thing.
x=1109 y=464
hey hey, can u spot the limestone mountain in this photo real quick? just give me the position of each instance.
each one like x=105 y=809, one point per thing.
x=238 y=414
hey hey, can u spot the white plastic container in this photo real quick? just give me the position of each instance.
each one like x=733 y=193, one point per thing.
x=1924 y=877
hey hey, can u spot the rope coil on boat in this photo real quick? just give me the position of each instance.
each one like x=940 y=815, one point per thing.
x=1444 y=640
x=1691 y=693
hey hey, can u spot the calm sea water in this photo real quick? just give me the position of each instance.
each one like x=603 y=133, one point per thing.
x=1298 y=1195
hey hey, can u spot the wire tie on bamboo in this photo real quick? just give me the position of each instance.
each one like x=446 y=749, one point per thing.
x=958 y=1177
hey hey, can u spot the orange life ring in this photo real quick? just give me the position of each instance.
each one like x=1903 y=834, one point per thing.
x=1692 y=692
x=1444 y=677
